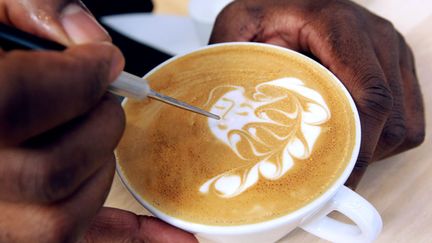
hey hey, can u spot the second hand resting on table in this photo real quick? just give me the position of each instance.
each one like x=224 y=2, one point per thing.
x=57 y=159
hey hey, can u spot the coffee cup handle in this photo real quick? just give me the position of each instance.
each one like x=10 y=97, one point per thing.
x=367 y=222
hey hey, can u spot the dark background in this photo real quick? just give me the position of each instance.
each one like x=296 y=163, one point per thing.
x=139 y=58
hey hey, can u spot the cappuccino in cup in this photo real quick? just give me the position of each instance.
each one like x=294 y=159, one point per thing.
x=287 y=140
x=287 y=133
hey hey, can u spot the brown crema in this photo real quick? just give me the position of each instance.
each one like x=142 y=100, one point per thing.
x=166 y=153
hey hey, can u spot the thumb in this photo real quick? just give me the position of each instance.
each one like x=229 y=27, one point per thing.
x=115 y=225
x=66 y=21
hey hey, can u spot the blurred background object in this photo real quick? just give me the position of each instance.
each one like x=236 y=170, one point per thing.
x=147 y=39
x=140 y=58
x=203 y=14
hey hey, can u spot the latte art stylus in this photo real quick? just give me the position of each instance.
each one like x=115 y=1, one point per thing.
x=127 y=85
x=131 y=86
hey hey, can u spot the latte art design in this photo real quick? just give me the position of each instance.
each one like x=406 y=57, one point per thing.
x=262 y=134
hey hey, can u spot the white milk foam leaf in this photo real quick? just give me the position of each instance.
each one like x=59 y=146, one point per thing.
x=245 y=120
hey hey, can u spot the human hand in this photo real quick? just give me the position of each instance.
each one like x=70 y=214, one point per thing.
x=115 y=225
x=65 y=21
x=363 y=50
x=58 y=130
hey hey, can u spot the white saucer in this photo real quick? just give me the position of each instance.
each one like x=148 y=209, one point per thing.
x=173 y=35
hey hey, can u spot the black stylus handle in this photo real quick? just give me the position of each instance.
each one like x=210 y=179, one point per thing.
x=12 y=39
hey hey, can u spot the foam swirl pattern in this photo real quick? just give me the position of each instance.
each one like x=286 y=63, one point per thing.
x=269 y=140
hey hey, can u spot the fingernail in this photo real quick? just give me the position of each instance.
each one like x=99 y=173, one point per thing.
x=80 y=26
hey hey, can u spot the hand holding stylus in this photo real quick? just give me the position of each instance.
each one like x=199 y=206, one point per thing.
x=58 y=130
x=126 y=84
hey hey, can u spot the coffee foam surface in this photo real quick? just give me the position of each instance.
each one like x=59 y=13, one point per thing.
x=288 y=136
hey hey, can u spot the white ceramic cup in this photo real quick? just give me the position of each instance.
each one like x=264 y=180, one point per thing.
x=203 y=14
x=313 y=217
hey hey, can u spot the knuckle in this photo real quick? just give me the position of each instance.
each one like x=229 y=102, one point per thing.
x=336 y=10
x=232 y=7
x=375 y=98
x=342 y=12
x=415 y=136
x=385 y=30
x=401 y=39
x=52 y=183
x=244 y=18
x=383 y=24
x=235 y=7
x=394 y=132
x=406 y=52
x=339 y=31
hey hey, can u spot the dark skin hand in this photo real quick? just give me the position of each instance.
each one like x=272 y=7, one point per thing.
x=58 y=131
x=363 y=50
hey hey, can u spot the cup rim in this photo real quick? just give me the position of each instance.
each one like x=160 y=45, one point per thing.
x=271 y=223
